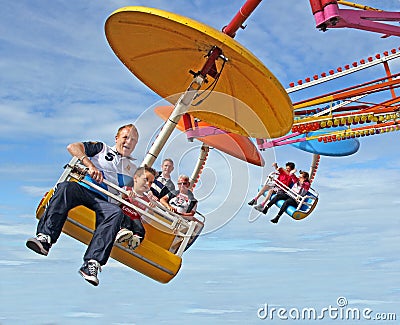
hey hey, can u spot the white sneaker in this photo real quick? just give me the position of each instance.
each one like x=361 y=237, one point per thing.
x=134 y=242
x=89 y=271
x=124 y=235
x=40 y=244
x=259 y=207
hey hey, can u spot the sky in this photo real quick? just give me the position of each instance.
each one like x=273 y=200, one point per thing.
x=61 y=83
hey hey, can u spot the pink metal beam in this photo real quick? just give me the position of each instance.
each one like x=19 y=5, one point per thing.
x=286 y=139
x=204 y=132
x=365 y=20
x=328 y=15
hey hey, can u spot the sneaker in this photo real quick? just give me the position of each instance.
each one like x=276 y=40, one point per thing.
x=252 y=202
x=40 y=244
x=265 y=210
x=124 y=235
x=89 y=271
x=275 y=220
x=134 y=242
x=259 y=207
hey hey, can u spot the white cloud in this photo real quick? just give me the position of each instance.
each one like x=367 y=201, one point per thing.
x=35 y=190
x=212 y=311
x=13 y=263
x=369 y=302
x=84 y=314
x=15 y=229
x=283 y=249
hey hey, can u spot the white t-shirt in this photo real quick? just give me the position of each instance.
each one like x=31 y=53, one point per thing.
x=115 y=168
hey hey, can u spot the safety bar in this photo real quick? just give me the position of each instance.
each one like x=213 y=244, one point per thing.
x=299 y=198
x=308 y=204
x=283 y=187
x=176 y=223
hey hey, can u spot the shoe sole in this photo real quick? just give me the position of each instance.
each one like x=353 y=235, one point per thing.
x=124 y=238
x=133 y=245
x=36 y=247
x=91 y=279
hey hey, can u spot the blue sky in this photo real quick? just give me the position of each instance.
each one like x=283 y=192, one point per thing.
x=61 y=83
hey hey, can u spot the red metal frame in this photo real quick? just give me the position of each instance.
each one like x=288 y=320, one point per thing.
x=209 y=67
x=240 y=17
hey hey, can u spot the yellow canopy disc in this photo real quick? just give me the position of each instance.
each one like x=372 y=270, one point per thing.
x=160 y=48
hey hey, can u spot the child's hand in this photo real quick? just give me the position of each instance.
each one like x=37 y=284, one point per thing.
x=152 y=199
x=173 y=209
x=131 y=195
x=151 y=196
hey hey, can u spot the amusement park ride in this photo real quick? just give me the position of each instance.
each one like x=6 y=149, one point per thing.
x=230 y=97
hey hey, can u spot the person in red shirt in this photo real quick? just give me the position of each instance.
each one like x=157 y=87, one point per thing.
x=300 y=187
x=284 y=176
x=132 y=230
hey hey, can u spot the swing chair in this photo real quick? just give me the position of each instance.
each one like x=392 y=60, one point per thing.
x=305 y=204
x=168 y=234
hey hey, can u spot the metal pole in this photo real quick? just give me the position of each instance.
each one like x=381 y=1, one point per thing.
x=181 y=107
x=200 y=165
x=240 y=17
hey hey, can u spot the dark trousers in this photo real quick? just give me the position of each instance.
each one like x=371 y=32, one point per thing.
x=134 y=225
x=289 y=201
x=108 y=218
